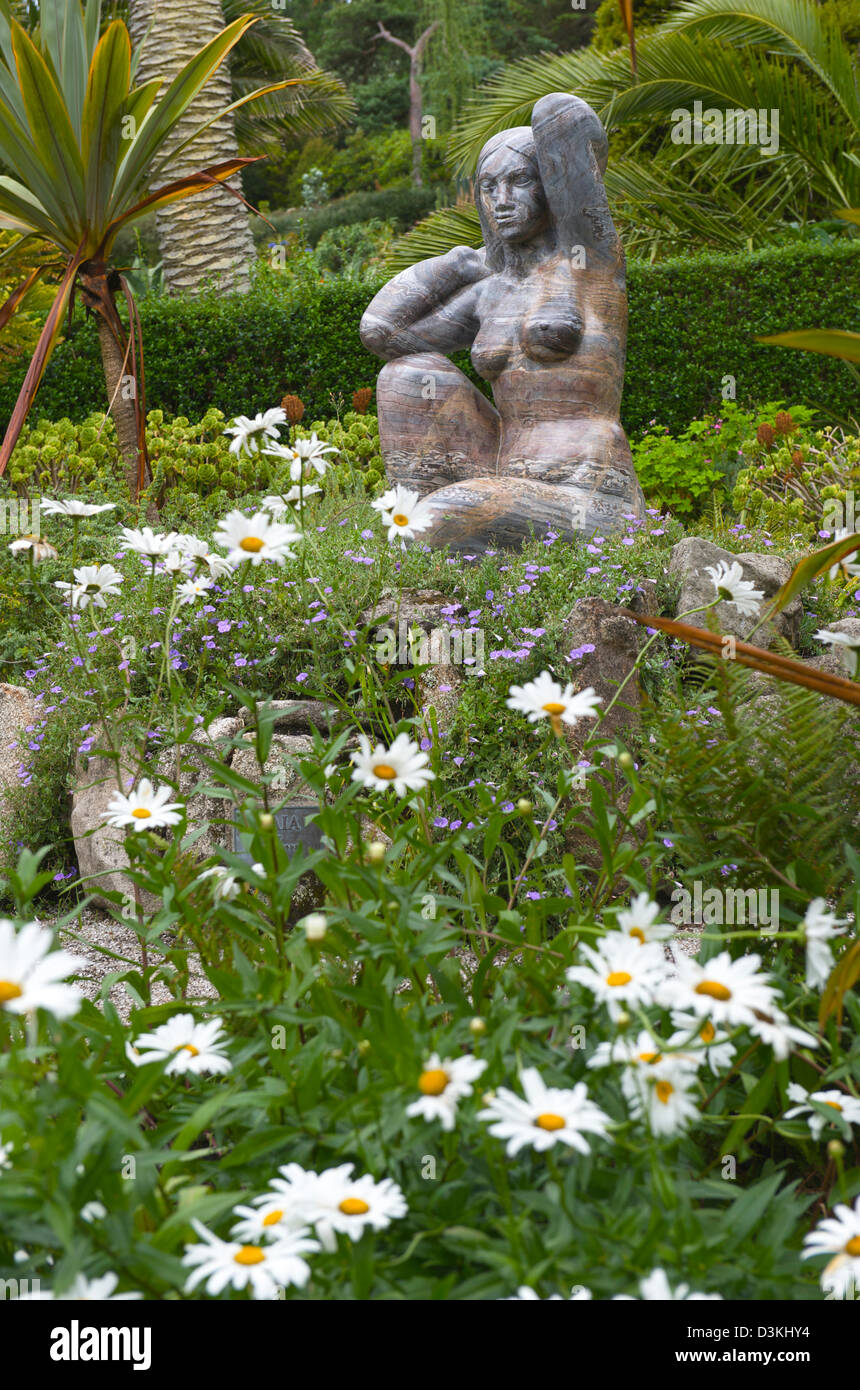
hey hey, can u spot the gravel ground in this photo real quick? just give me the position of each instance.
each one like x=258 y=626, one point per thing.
x=98 y=938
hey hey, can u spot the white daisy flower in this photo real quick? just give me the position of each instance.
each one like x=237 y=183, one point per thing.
x=30 y=973
x=627 y=1050
x=200 y=555
x=778 y=1032
x=639 y=920
x=227 y=885
x=547 y=1116
x=820 y=927
x=545 y=698
x=443 y=1085
x=655 y=1288
x=146 y=542
x=385 y=503
x=256 y=538
x=406 y=514
x=93 y=585
x=731 y=586
x=621 y=973
x=72 y=507
x=332 y=1202
x=193 y=1047
x=278 y=504
x=837 y=1235
x=249 y=435
x=660 y=1091
x=175 y=562
x=849 y=647
x=222 y=1264
x=312 y=453
x=38 y=548
x=5 y=1150
x=712 y=1046
x=724 y=990
x=843 y=566
x=402 y=766
x=848 y=1107
x=143 y=809
x=192 y=589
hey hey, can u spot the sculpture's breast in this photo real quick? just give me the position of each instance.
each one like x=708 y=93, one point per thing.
x=552 y=332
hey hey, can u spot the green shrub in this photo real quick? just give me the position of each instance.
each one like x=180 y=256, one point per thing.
x=692 y=324
x=402 y=206
x=803 y=477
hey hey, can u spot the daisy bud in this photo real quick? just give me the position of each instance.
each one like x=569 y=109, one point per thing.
x=836 y=1149
x=488 y=1097
x=625 y=760
x=315 y=926
x=267 y=821
x=477 y=1026
x=622 y=1021
x=376 y=852
x=364 y=1047
x=524 y=806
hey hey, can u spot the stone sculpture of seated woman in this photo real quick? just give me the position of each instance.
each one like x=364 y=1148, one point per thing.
x=543 y=308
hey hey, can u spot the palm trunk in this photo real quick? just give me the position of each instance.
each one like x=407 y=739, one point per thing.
x=207 y=237
x=122 y=410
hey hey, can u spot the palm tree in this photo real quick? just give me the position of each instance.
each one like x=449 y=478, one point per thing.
x=86 y=144
x=786 y=55
x=211 y=238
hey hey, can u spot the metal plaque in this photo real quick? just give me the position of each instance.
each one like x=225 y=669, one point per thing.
x=291 y=828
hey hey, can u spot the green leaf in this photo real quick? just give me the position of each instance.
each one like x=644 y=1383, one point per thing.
x=831 y=342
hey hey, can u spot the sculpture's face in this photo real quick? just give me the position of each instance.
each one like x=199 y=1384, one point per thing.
x=512 y=193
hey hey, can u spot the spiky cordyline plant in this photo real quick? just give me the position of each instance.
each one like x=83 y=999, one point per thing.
x=85 y=145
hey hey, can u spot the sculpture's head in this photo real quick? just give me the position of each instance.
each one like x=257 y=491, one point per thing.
x=511 y=201
x=547 y=177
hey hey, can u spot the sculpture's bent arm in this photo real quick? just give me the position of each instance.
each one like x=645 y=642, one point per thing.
x=431 y=307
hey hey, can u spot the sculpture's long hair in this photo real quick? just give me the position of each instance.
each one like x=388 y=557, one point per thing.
x=568 y=147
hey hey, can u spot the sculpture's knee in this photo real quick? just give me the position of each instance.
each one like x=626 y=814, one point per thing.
x=422 y=376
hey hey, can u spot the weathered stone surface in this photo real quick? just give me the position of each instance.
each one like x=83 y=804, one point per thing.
x=291 y=787
x=688 y=562
x=543 y=308
x=100 y=849
x=444 y=645
x=186 y=767
x=609 y=644
x=17 y=710
x=299 y=716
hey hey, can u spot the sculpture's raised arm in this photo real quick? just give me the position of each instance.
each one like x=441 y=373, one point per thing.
x=572 y=150
x=428 y=308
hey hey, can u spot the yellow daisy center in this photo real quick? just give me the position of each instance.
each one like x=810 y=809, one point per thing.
x=708 y=1033
x=141 y=813
x=9 y=990
x=249 y=1255
x=618 y=977
x=433 y=1082
x=399 y=519
x=188 y=1047
x=553 y=707
x=549 y=1121
x=664 y=1090
x=714 y=989
x=834 y=1104
x=638 y=933
x=252 y=543
x=649 y=1056
x=853 y=1247
x=272 y=1218
x=353 y=1206
x=384 y=771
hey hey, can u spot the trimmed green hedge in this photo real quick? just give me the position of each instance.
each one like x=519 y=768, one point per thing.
x=692 y=323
